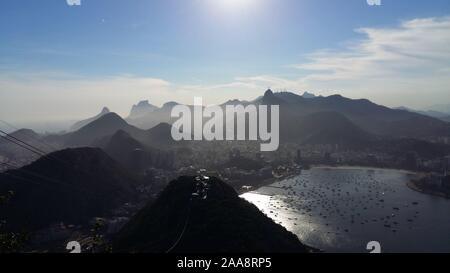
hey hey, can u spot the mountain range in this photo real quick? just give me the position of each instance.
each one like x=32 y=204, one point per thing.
x=445 y=116
x=78 y=125
x=304 y=120
x=370 y=117
x=141 y=109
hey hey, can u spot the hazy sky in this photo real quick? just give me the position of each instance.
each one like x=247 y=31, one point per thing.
x=59 y=61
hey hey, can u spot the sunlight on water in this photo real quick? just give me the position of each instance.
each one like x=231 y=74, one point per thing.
x=340 y=210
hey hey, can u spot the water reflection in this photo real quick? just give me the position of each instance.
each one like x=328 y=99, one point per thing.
x=341 y=209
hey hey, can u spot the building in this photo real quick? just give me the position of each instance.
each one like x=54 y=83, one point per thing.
x=446 y=165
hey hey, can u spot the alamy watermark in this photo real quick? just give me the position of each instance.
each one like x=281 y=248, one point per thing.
x=220 y=123
x=73 y=2
x=374 y=2
x=78 y=2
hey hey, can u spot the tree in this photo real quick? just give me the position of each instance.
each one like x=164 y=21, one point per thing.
x=10 y=241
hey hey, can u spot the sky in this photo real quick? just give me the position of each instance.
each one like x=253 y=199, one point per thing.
x=60 y=61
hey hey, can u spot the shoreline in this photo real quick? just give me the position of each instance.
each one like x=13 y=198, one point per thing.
x=355 y=167
x=265 y=182
x=413 y=186
x=273 y=180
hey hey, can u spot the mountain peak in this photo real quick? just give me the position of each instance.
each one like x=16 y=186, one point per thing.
x=219 y=221
x=110 y=116
x=270 y=98
x=141 y=109
x=336 y=96
x=308 y=95
x=234 y=102
x=143 y=103
x=105 y=110
x=106 y=121
x=268 y=93
x=170 y=104
x=80 y=124
x=104 y=126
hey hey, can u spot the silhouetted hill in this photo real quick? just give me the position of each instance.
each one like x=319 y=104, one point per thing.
x=430 y=113
x=370 y=117
x=221 y=223
x=121 y=141
x=373 y=118
x=71 y=186
x=307 y=95
x=161 y=134
x=26 y=135
x=85 y=122
x=134 y=155
x=15 y=152
x=332 y=128
x=104 y=126
x=155 y=117
x=235 y=102
x=270 y=98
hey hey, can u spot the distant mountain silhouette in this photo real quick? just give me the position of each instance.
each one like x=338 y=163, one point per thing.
x=161 y=134
x=141 y=109
x=430 y=113
x=13 y=151
x=83 y=123
x=373 y=118
x=366 y=120
x=125 y=149
x=169 y=105
x=221 y=223
x=307 y=95
x=26 y=135
x=71 y=186
x=370 y=117
x=156 y=116
x=443 y=108
x=235 y=102
x=104 y=126
x=270 y=98
x=331 y=128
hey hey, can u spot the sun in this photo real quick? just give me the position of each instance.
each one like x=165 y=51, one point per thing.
x=234 y=5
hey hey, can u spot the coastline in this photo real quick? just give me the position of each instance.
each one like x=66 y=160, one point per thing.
x=256 y=185
x=259 y=184
x=413 y=186
x=354 y=167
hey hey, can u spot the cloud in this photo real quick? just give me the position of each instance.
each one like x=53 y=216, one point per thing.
x=407 y=64
x=415 y=44
x=58 y=96
x=388 y=64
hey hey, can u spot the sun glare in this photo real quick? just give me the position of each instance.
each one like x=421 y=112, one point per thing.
x=234 y=5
